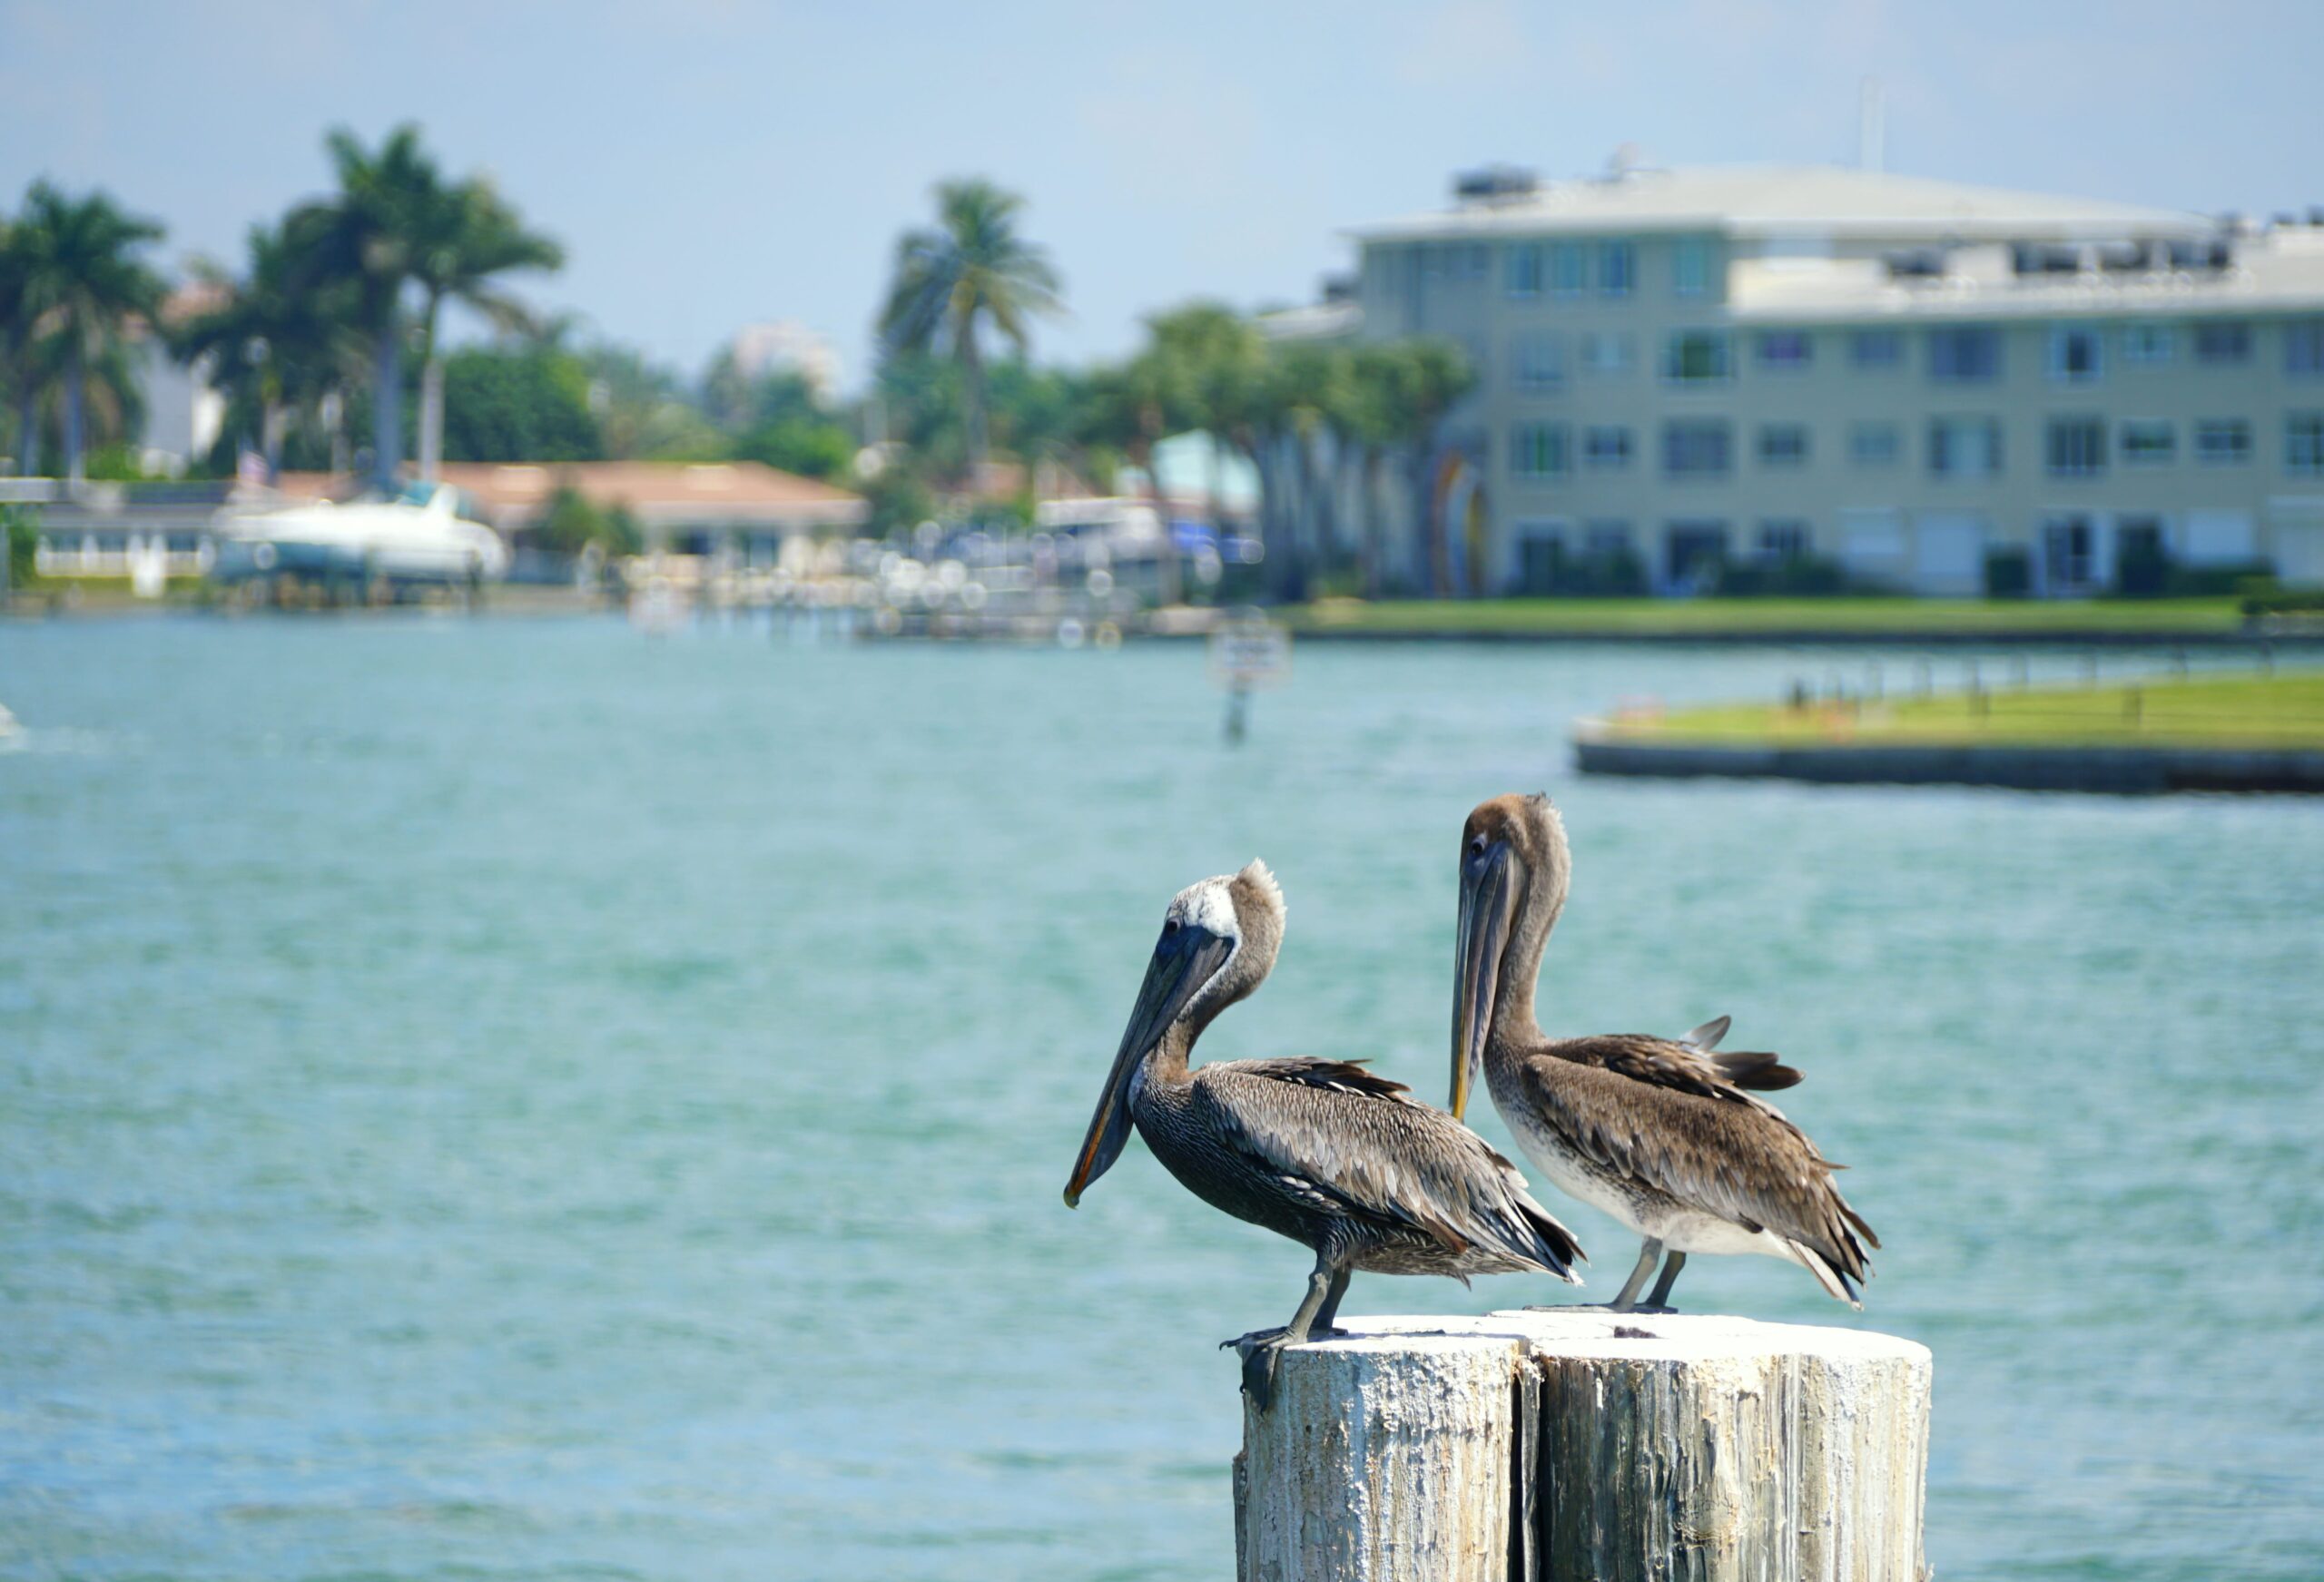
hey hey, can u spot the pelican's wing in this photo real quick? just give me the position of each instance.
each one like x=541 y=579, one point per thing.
x=1646 y=1116
x=1330 y=1127
x=1686 y=1065
x=1707 y=1037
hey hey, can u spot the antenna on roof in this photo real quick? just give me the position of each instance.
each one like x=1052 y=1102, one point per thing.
x=1871 y=128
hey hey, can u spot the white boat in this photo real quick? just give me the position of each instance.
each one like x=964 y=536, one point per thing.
x=394 y=539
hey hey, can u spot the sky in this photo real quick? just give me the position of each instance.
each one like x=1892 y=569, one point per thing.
x=710 y=163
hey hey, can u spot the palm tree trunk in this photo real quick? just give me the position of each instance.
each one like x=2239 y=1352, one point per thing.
x=1170 y=593
x=75 y=464
x=1368 y=503
x=28 y=433
x=270 y=430
x=972 y=405
x=431 y=414
x=387 y=406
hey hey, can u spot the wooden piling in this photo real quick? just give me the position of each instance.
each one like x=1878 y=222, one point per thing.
x=1566 y=1444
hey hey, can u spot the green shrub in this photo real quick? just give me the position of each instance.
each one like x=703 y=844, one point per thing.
x=1794 y=576
x=20 y=528
x=2142 y=568
x=1548 y=571
x=2210 y=582
x=2009 y=573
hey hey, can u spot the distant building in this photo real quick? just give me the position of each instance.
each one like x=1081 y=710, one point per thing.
x=183 y=413
x=786 y=345
x=1942 y=388
x=736 y=512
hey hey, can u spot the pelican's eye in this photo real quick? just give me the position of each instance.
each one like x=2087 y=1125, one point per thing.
x=1476 y=845
x=1169 y=926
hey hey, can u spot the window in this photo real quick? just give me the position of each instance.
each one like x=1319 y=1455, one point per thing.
x=1540 y=551
x=1606 y=447
x=2227 y=340
x=1696 y=447
x=2067 y=545
x=1537 y=450
x=1605 y=536
x=2148 y=345
x=1696 y=357
x=2077 y=448
x=1783 y=445
x=1606 y=352
x=1693 y=554
x=1965 y=356
x=1538 y=360
x=1520 y=274
x=1964 y=447
x=2222 y=441
x=2148 y=442
x=2304 y=347
x=1782 y=538
x=1469 y=261
x=1569 y=269
x=1876 y=348
x=1873 y=445
x=2304 y=444
x=1617 y=268
x=2075 y=355
x=1784 y=350
x=1690 y=267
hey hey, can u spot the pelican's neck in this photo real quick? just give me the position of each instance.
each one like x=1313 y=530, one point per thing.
x=1166 y=1062
x=1538 y=905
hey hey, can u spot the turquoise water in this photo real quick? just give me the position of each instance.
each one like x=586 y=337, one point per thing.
x=491 y=1099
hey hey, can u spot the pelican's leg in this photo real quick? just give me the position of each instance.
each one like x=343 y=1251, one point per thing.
x=1660 y=1295
x=1327 y=1316
x=1261 y=1346
x=1647 y=1255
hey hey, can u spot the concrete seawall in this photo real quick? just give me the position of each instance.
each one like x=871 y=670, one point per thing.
x=2134 y=771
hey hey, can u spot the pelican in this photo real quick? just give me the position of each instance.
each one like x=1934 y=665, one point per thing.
x=1321 y=1151
x=1659 y=1132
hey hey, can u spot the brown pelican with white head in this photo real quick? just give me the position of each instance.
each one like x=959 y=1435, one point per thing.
x=1322 y=1151
x=1661 y=1133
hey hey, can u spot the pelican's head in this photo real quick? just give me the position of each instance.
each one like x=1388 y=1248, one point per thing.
x=1509 y=846
x=1218 y=943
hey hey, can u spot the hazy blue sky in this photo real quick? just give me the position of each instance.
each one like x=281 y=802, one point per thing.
x=711 y=164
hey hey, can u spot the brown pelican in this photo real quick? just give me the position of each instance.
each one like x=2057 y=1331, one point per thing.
x=1321 y=1151
x=1657 y=1131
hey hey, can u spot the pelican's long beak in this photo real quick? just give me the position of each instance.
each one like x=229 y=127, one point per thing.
x=1182 y=964
x=1485 y=895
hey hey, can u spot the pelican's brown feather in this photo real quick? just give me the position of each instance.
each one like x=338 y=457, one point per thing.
x=1642 y=1116
x=1362 y=1140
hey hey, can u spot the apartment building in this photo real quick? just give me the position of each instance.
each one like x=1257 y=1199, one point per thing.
x=1943 y=388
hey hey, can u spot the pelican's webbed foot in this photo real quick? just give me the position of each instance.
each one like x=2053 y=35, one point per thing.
x=1276 y=1336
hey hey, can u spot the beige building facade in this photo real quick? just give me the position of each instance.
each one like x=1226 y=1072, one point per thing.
x=1938 y=389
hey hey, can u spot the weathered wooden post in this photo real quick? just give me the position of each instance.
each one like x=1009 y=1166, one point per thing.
x=1576 y=1445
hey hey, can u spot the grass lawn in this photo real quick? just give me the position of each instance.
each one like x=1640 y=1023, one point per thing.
x=1714 y=617
x=2239 y=710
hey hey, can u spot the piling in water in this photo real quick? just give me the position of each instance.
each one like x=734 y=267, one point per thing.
x=1566 y=1444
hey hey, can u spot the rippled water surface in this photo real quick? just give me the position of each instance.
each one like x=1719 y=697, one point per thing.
x=491 y=1099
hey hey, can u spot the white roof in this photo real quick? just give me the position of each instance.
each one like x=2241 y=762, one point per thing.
x=1792 y=200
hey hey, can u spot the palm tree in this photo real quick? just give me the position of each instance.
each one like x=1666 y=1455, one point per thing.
x=276 y=345
x=1311 y=393
x=19 y=382
x=474 y=236
x=969 y=272
x=1131 y=409
x=1426 y=380
x=371 y=241
x=82 y=279
x=1372 y=422
x=1223 y=361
